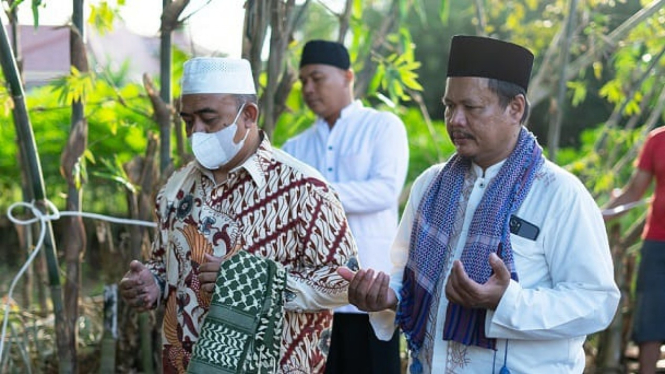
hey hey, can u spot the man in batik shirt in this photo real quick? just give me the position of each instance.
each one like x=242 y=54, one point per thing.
x=240 y=194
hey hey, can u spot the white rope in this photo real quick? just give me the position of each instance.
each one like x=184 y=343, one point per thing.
x=625 y=207
x=52 y=214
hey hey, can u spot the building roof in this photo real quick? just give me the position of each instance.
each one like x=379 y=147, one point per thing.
x=45 y=51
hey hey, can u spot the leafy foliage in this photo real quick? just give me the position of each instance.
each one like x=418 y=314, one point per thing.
x=396 y=73
x=74 y=87
x=597 y=172
x=117 y=132
x=103 y=15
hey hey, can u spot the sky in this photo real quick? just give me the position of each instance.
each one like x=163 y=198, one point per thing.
x=218 y=27
x=214 y=24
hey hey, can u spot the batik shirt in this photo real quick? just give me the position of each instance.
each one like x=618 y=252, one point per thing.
x=273 y=206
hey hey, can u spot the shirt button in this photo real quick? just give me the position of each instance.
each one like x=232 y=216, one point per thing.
x=330 y=169
x=330 y=147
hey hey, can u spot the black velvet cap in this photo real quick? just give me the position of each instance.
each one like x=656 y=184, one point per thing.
x=325 y=52
x=474 y=56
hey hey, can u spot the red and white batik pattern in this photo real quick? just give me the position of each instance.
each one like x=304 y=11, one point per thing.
x=273 y=206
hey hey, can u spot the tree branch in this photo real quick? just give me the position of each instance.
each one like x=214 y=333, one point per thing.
x=540 y=90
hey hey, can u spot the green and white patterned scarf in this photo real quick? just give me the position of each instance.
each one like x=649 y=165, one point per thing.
x=242 y=332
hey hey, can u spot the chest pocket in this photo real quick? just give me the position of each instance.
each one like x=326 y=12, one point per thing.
x=530 y=261
x=524 y=247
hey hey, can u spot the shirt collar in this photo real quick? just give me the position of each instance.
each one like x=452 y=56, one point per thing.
x=348 y=110
x=490 y=172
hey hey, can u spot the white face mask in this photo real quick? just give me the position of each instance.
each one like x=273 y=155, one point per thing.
x=213 y=150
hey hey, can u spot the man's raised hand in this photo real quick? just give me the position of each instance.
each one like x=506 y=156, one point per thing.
x=368 y=292
x=139 y=288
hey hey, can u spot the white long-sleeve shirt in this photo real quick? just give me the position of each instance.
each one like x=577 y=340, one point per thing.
x=365 y=158
x=566 y=286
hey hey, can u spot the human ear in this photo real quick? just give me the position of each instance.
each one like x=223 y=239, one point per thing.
x=250 y=114
x=349 y=75
x=516 y=107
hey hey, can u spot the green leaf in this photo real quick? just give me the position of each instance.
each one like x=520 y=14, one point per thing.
x=102 y=17
x=375 y=83
x=74 y=87
x=409 y=80
x=386 y=100
x=444 y=12
x=88 y=155
x=357 y=10
x=632 y=108
x=117 y=173
x=403 y=8
x=604 y=182
x=611 y=91
x=579 y=91
x=123 y=182
x=597 y=69
x=35 y=11
x=420 y=11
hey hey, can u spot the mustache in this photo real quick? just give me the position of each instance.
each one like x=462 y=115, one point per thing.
x=460 y=135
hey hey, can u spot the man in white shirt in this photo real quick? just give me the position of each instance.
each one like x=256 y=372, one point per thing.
x=501 y=260
x=364 y=154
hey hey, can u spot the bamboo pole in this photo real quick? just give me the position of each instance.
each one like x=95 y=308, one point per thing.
x=110 y=336
x=27 y=144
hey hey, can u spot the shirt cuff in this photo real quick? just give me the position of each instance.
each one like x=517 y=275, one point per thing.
x=383 y=323
x=495 y=319
x=396 y=287
x=161 y=285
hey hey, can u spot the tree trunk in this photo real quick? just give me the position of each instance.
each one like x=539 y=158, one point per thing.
x=165 y=68
x=171 y=11
x=280 y=35
x=344 y=21
x=257 y=17
x=282 y=17
x=26 y=237
x=74 y=238
x=555 y=128
x=610 y=347
x=26 y=142
x=481 y=26
x=142 y=172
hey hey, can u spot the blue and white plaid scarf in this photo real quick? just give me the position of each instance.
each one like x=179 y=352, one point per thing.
x=489 y=232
